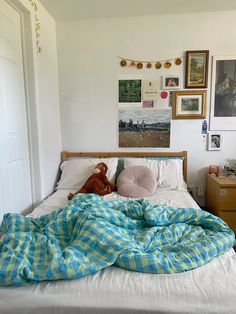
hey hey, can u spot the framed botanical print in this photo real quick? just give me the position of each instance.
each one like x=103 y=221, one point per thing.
x=189 y=104
x=223 y=94
x=196 y=71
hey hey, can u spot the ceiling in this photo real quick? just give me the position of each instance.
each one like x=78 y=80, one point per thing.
x=81 y=9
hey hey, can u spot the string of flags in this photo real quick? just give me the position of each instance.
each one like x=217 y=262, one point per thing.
x=139 y=64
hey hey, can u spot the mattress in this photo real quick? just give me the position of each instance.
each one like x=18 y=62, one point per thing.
x=207 y=289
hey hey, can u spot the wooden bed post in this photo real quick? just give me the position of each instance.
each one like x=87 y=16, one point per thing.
x=63 y=156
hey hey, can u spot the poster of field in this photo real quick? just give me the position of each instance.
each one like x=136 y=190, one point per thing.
x=142 y=127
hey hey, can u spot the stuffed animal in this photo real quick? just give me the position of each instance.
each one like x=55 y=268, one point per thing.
x=214 y=170
x=97 y=183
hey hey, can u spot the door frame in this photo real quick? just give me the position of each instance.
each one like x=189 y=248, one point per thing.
x=29 y=70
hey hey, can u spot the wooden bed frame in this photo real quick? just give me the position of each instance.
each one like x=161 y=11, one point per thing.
x=66 y=155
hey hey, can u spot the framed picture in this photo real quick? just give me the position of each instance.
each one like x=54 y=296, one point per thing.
x=196 y=71
x=189 y=104
x=144 y=127
x=130 y=91
x=223 y=94
x=170 y=82
x=215 y=141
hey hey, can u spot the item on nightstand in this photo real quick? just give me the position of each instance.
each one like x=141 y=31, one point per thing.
x=230 y=172
x=213 y=170
x=97 y=183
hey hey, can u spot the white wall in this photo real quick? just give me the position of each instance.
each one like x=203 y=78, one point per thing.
x=47 y=99
x=48 y=103
x=88 y=71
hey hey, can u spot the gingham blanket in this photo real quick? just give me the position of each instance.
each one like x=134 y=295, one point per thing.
x=90 y=234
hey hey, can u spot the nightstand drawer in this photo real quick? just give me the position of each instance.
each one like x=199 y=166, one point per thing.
x=226 y=199
x=229 y=217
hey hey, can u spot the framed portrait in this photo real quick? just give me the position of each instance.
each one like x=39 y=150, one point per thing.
x=171 y=82
x=189 y=104
x=196 y=71
x=215 y=141
x=223 y=94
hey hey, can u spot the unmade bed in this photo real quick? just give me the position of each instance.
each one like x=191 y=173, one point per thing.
x=210 y=288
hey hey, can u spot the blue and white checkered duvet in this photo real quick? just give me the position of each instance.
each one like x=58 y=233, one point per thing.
x=90 y=234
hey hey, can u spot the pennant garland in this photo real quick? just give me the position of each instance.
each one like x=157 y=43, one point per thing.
x=37 y=25
x=149 y=64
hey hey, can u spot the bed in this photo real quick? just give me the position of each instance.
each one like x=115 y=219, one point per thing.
x=210 y=288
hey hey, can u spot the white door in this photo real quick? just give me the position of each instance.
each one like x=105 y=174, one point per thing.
x=15 y=181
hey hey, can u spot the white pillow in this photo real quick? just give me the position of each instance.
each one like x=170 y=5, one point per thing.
x=76 y=171
x=168 y=172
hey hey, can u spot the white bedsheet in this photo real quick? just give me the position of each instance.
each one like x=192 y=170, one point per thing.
x=207 y=289
x=161 y=196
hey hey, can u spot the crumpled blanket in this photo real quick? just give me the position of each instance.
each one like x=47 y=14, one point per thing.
x=90 y=234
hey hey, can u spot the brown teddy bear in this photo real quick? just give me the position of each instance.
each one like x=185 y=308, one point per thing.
x=97 y=183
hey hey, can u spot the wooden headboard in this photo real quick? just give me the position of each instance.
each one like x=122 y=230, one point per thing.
x=66 y=155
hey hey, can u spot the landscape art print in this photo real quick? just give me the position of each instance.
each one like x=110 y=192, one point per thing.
x=130 y=91
x=141 y=127
x=196 y=72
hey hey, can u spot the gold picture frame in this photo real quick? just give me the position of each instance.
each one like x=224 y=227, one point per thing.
x=196 y=71
x=189 y=104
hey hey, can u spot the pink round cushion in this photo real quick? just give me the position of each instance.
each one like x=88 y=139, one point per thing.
x=136 y=181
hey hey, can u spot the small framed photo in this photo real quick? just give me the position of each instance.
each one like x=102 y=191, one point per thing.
x=189 y=104
x=196 y=71
x=215 y=141
x=170 y=82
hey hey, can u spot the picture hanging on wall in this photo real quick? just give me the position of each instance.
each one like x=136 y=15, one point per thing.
x=189 y=104
x=150 y=89
x=215 y=141
x=142 y=127
x=170 y=82
x=196 y=71
x=223 y=94
x=130 y=91
x=148 y=104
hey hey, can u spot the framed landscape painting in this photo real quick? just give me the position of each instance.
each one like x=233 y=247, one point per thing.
x=189 y=104
x=223 y=94
x=196 y=71
x=144 y=127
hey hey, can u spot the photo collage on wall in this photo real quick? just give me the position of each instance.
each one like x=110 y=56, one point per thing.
x=144 y=108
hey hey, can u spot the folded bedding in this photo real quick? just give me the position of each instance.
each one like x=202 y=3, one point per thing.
x=90 y=234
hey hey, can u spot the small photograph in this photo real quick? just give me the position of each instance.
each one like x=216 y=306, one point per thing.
x=170 y=82
x=215 y=141
x=148 y=104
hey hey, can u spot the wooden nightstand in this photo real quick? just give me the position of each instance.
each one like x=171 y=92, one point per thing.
x=221 y=198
